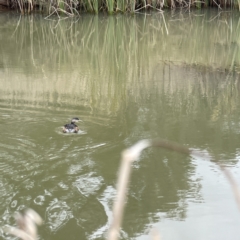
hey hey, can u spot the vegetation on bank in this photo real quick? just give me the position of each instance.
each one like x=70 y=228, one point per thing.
x=75 y=7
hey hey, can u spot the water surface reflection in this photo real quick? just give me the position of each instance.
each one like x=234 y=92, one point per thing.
x=127 y=80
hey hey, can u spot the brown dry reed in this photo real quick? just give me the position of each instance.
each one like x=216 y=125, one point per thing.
x=26 y=225
x=75 y=7
x=133 y=153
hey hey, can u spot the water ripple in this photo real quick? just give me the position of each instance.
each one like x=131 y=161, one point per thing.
x=39 y=200
x=57 y=214
x=87 y=184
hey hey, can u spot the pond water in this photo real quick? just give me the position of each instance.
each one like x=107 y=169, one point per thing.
x=173 y=76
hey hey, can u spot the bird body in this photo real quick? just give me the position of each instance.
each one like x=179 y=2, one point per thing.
x=71 y=127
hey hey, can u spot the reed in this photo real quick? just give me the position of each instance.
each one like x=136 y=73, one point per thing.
x=132 y=154
x=88 y=5
x=110 y=6
x=121 y=5
x=113 y=6
x=95 y=6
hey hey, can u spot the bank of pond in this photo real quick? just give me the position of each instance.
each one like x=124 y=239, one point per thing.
x=76 y=7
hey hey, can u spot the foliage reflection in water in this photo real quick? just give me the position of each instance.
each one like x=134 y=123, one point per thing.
x=125 y=77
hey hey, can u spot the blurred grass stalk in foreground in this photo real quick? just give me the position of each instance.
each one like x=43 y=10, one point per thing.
x=132 y=154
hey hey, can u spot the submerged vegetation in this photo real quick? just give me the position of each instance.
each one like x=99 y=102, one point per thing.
x=75 y=7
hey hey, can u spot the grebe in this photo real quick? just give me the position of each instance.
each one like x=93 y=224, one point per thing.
x=71 y=127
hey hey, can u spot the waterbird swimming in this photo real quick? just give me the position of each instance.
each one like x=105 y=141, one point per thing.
x=71 y=127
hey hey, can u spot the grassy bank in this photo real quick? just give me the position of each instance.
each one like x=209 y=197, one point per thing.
x=75 y=7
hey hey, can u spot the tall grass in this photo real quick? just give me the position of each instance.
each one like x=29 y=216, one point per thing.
x=110 y=6
x=113 y=6
x=121 y=5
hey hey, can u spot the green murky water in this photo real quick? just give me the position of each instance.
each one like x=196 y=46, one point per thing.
x=128 y=78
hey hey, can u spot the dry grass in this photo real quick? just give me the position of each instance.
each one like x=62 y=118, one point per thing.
x=26 y=225
x=132 y=154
